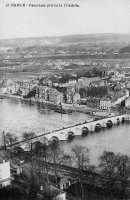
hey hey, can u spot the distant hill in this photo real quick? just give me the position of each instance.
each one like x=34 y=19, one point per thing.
x=67 y=40
x=125 y=49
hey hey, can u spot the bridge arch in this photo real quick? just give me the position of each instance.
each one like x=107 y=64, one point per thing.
x=98 y=127
x=123 y=120
x=18 y=150
x=85 y=131
x=53 y=141
x=44 y=140
x=109 y=124
x=70 y=135
x=36 y=146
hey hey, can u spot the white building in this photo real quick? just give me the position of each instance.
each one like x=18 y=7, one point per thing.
x=105 y=103
x=127 y=103
x=5 y=176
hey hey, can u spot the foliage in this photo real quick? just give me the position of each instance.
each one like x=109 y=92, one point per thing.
x=108 y=163
x=123 y=169
x=96 y=91
x=28 y=136
x=10 y=139
x=11 y=193
x=31 y=94
x=115 y=166
x=80 y=156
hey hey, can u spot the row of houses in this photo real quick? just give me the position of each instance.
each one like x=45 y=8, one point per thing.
x=50 y=94
x=19 y=87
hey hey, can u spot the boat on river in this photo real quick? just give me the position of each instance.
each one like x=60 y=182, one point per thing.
x=63 y=111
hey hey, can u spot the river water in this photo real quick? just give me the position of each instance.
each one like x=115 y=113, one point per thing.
x=18 y=117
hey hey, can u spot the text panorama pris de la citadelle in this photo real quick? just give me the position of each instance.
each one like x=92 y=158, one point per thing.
x=34 y=5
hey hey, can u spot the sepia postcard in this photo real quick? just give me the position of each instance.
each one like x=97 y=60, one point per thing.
x=64 y=99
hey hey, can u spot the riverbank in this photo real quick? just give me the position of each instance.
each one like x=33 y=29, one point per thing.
x=65 y=108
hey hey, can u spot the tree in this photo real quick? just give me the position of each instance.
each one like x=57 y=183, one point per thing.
x=82 y=92
x=10 y=139
x=28 y=136
x=81 y=158
x=31 y=180
x=123 y=169
x=56 y=154
x=41 y=151
x=108 y=163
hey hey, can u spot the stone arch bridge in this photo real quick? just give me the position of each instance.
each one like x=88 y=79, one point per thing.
x=81 y=129
x=86 y=127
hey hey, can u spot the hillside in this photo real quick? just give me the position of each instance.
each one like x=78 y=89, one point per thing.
x=125 y=49
x=63 y=40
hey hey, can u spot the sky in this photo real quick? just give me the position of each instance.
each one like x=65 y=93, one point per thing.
x=92 y=16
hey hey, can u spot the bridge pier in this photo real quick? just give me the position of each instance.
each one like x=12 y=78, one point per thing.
x=92 y=128
x=104 y=124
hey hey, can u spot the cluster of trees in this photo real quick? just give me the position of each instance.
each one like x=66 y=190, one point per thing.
x=115 y=166
x=97 y=92
x=93 y=72
x=38 y=171
x=65 y=78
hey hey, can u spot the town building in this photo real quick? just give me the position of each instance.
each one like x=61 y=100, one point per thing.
x=117 y=76
x=13 y=88
x=127 y=103
x=5 y=175
x=73 y=97
x=105 y=103
x=54 y=96
x=87 y=81
x=41 y=92
x=24 y=88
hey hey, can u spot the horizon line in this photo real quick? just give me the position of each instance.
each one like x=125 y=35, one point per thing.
x=54 y=36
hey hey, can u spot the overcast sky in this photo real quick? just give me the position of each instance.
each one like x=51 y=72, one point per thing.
x=93 y=16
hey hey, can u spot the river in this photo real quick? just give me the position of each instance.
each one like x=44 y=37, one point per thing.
x=18 y=117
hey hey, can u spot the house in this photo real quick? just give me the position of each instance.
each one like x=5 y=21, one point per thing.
x=73 y=97
x=64 y=183
x=13 y=88
x=87 y=81
x=41 y=92
x=98 y=83
x=127 y=102
x=72 y=81
x=47 y=82
x=76 y=97
x=54 y=96
x=105 y=103
x=24 y=88
x=3 y=90
x=15 y=169
x=5 y=175
x=117 y=76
